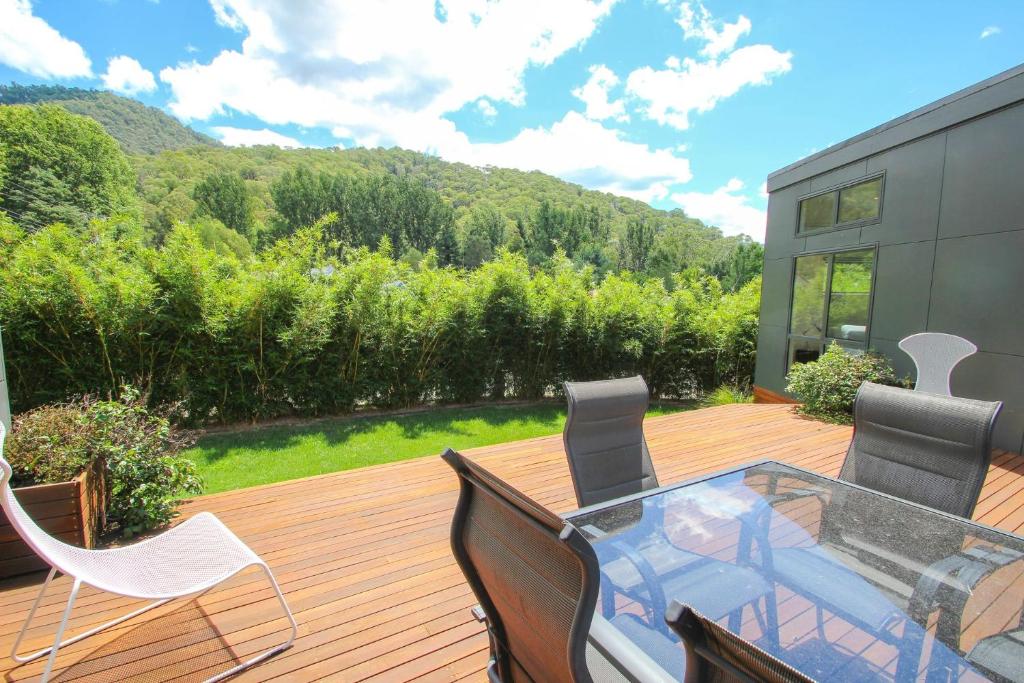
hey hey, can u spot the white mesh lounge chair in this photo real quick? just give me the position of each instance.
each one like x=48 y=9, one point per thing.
x=187 y=560
x=936 y=354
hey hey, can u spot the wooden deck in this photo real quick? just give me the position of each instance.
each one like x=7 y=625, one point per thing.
x=363 y=558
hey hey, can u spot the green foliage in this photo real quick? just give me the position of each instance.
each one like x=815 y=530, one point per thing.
x=50 y=444
x=139 y=129
x=828 y=386
x=411 y=196
x=60 y=167
x=302 y=328
x=223 y=196
x=728 y=394
x=740 y=266
x=139 y=451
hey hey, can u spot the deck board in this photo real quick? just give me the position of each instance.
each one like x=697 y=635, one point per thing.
x=364 y=561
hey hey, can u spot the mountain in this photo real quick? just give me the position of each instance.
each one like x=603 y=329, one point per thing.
x=138 y=128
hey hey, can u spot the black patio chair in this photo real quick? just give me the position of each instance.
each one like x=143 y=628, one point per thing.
x=929 y=449
x=714 y=653
x=608 y=458
x=535 y=576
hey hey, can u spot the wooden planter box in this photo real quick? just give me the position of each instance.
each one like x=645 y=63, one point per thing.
x=72 y=511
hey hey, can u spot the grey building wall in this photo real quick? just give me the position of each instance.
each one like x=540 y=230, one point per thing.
x=950 y=240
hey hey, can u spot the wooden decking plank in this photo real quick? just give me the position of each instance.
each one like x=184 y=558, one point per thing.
x=364 y=560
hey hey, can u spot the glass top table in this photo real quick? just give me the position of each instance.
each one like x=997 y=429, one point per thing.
x=838 y=581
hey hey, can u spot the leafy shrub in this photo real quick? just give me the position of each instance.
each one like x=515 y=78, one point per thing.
x=139 y=451
x=49 y=444
x=727 y=395
x=296 y=330
x=828 y=386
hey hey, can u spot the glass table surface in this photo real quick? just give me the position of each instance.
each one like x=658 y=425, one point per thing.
x=840 y=582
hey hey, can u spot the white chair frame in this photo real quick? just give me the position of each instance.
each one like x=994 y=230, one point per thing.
x=124 y=571
x=936 y=354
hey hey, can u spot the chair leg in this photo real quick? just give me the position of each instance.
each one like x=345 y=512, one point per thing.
x=70 y=641
x=273 y=651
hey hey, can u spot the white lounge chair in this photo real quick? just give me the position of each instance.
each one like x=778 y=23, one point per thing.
x=936 y=354
x=188 y=560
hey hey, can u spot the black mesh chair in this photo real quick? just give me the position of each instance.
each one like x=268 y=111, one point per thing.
x=1000 y=656
x=604 y=439
x=716 y=654
x=535 y=576
x=929 y=449
x=608 y=458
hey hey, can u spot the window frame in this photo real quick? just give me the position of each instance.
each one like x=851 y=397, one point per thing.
x=836 y=189
x=823 y=340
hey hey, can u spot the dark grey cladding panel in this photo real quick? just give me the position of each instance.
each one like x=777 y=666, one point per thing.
x=775 y=292
x=834 y=239
x=978 y=291
x=771 y=358
x=903 y=282
x=1000 y=91
x=780 y=238
x=913 y=186
x=901 y=362
x=839 y=176
x=996 y=377
x=983 y=191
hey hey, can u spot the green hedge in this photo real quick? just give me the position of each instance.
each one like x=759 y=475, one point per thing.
x=293 y=332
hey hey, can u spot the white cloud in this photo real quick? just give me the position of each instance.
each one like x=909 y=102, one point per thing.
x=247 y=137
x=594 y=93
x=29 y=44
x=763 y=190
x=486 y=109
x=126 y=75
x=350 y=68
x=697 y=22
x=670 y=95
x=191 y=49
x=726 y=208
x=585 y=152
x=989 y=31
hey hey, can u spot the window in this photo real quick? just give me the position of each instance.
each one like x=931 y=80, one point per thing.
x=847 y=205
x=831 y=302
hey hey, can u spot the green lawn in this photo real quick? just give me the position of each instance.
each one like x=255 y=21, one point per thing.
x=262 y=456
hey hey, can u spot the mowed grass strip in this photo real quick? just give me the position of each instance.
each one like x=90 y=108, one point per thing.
x=239 y=459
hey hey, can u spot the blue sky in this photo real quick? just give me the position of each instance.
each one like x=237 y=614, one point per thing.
x=680 y=104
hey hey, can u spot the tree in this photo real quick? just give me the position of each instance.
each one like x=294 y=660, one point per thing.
x=61 y=168
x=224 y=196
x=743 y=265
x=447 y=246
x=639 y=242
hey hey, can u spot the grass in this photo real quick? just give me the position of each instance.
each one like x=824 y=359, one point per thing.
x=235 y=460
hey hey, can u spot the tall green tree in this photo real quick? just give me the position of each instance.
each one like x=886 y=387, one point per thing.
x=224 y=196
x=639 y=243
x=61 y=168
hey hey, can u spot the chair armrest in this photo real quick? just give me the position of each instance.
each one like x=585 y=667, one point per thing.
x=949 y=583
x=647 y=574
x=627 y=658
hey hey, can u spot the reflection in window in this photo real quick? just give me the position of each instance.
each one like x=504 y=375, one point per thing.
x=807 y=319
x=860 y=202
x=850 y=204
x=835 y=288
x=818 y=212
x=850 y=296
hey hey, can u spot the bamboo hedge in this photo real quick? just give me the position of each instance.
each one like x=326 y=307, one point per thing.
x=294 y=331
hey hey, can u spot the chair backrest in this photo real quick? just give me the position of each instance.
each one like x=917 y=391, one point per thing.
x=714 y=653
x=936 y=354
x=535 y=576
x=57 y=554
x=929 y=449
x=604 y=439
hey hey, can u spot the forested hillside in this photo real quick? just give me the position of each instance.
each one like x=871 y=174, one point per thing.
x=242 y=200
x=139 y=129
